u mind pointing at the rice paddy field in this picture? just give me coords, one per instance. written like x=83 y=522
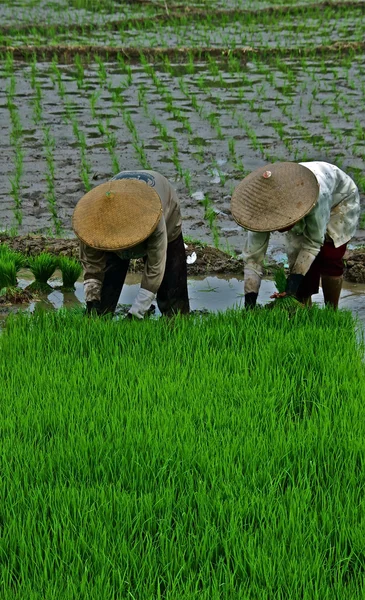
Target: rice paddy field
x=202 y=95
x=215 y=457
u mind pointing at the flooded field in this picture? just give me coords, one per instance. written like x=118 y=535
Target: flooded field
x=207 y=294
x=202 y=97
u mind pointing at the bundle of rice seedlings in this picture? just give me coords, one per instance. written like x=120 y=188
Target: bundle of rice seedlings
x=18 y=258
x=7 y=273
x=42 y=266
x=10 y=293
x=71 y=270
x=286 y=302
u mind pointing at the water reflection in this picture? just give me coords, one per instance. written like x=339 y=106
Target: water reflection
x=215 y=293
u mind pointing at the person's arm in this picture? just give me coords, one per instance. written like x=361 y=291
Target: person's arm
x=154 y=270
x=254 y=252
x=313 y=235
x=93 y=262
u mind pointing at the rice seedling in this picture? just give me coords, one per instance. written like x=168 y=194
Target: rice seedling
x=17 y=258
x=287 y=303
x=15 y=140
x=71 y=270
x=7 y=272
x=42 y=266
x=10 y=263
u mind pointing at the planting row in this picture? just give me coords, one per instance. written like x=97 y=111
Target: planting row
x=229 y=469
x=85 y=11
x=66 y=128
x=316 y=27
x=42 y=267
x=69 y=11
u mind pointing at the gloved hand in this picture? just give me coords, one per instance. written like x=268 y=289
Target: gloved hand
x=93 y=307
x=141 y=304
x=250 y=300
x=292 y=283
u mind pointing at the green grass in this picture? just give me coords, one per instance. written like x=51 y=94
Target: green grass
x=199 y=458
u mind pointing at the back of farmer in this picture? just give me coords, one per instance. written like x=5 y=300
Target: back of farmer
x=318 y=207
x=134 y=215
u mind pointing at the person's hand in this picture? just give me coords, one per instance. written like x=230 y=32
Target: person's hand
x=277 y=295
x=250 y=300
x=142 y=303
x=292 y=283
x=93 y=307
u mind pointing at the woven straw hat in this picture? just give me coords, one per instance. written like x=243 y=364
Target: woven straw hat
x=274 y=197
x=117 y=214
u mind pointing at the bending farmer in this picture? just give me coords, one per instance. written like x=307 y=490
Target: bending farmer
x=136 y=214
x=318 y=205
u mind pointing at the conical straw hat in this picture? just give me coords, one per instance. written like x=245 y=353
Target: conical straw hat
x=117 y=214
x=274 y=197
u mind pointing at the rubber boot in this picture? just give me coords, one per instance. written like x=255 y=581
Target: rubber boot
x=331 y=287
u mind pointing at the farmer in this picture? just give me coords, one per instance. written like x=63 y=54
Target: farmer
x=318 y=207
x=136 y=214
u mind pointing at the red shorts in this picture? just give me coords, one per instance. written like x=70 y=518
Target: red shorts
x=329 y=261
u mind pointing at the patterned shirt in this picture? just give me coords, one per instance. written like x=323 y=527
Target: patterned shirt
x=335 y=214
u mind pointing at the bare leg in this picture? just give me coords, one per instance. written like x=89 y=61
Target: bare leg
x=331 y=289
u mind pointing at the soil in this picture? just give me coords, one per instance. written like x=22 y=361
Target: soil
x=209 y=260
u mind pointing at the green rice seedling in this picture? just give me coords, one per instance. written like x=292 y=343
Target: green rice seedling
x=94 y=98
x=16 y=257
x=80 y=72
x=42 y=266
x=7 y=272
x=71 y=270
x=288 y=303
x=10 y=293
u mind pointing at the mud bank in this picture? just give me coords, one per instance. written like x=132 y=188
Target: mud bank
x=208 y=261
x=67 y=53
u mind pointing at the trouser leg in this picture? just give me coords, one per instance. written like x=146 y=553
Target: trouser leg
x=332 y=287
x=328 y=267
x=115 y=274
x=332 y=272
x=310 y=284
x=172 y=296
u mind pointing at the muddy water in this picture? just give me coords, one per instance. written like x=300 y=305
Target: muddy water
x=255 y=109
x=211 y=294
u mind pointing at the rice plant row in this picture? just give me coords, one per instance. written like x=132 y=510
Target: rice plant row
x=84 y=122
x=42 y=267
x=291 y=27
